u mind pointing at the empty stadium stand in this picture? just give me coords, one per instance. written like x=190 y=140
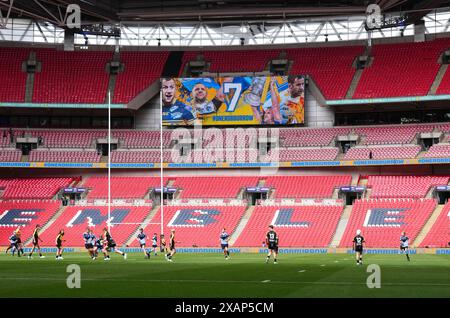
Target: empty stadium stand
x=13 y=79
x=234 y=61
x=85 y=81
x=444 y=87
x=121 y=187
x=25 y=214
x=310 y=137
x=64 y=156
x=386 y=152
x=382 y=220
x=10 y=155
x=330 y=67
x=439 y=234
x=437 y=151
x=33 y=188
x=306 y=154
x=141 y=69
x=306 y=186
x=75 y=220
x=197 y=226
x=403 y=186
x=395 y=68
x=386 y=135
x=216 y=187
x=306 y=226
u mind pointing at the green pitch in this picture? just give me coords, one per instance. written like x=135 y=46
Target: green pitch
x=210 y=275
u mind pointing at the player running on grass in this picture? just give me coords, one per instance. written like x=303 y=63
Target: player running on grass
x=98 y=246
x=404 y=245
x=12 y=244
x=154 y=244
x=358 y=242
x=36 y=240
x=272 y=244
x=19 y=242
x=172 y=242
x=224 y=238
x=109 y=244
x=89 y=240
x=141 y=237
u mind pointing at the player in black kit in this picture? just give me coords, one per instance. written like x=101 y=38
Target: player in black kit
x=36 y=240
x=358 y=242
x=272 y=244
x=171 y=251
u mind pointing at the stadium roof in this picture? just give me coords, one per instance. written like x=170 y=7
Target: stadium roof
x=113 y=11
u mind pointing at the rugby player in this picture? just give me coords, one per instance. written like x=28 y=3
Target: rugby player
x=36 y=240
x=404 y=245
x=59 y=240
x=224 y=238
x=358 y=242
x=12 y=244
x=89 y=239
x=141 y=237
x=155 y=243
x=272 y=244
x=172 y=250
x=109 y=244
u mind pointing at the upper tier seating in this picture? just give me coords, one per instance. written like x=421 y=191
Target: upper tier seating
x=439 y=234
x=33 y=188
x=395 y=68
x=141 y=69
x=403 y=186
x=121 y=187
x=25 y=214
x=396 y=152
x=74 y=221
x=330 y=67
x=383 y=220
x=196 y=226
x=444 y=87
x=306 y=226
x=71 y=77
x=13 y=79
x=306 y=186
x=235 y=61
x=213 y=187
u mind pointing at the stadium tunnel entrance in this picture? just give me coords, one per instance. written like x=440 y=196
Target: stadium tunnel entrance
x=351 y=193
x=441 y=194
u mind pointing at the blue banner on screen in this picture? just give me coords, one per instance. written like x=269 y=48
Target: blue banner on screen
x=267 y=100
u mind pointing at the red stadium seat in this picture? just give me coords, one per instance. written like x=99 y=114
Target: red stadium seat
x=318 y=230
x=408 y=215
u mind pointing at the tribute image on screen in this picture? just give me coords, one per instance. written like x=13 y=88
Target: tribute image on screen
x=267 y=100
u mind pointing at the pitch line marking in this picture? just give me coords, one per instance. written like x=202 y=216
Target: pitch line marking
x=221 y=281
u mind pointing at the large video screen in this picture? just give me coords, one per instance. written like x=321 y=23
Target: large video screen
x=267 y=100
